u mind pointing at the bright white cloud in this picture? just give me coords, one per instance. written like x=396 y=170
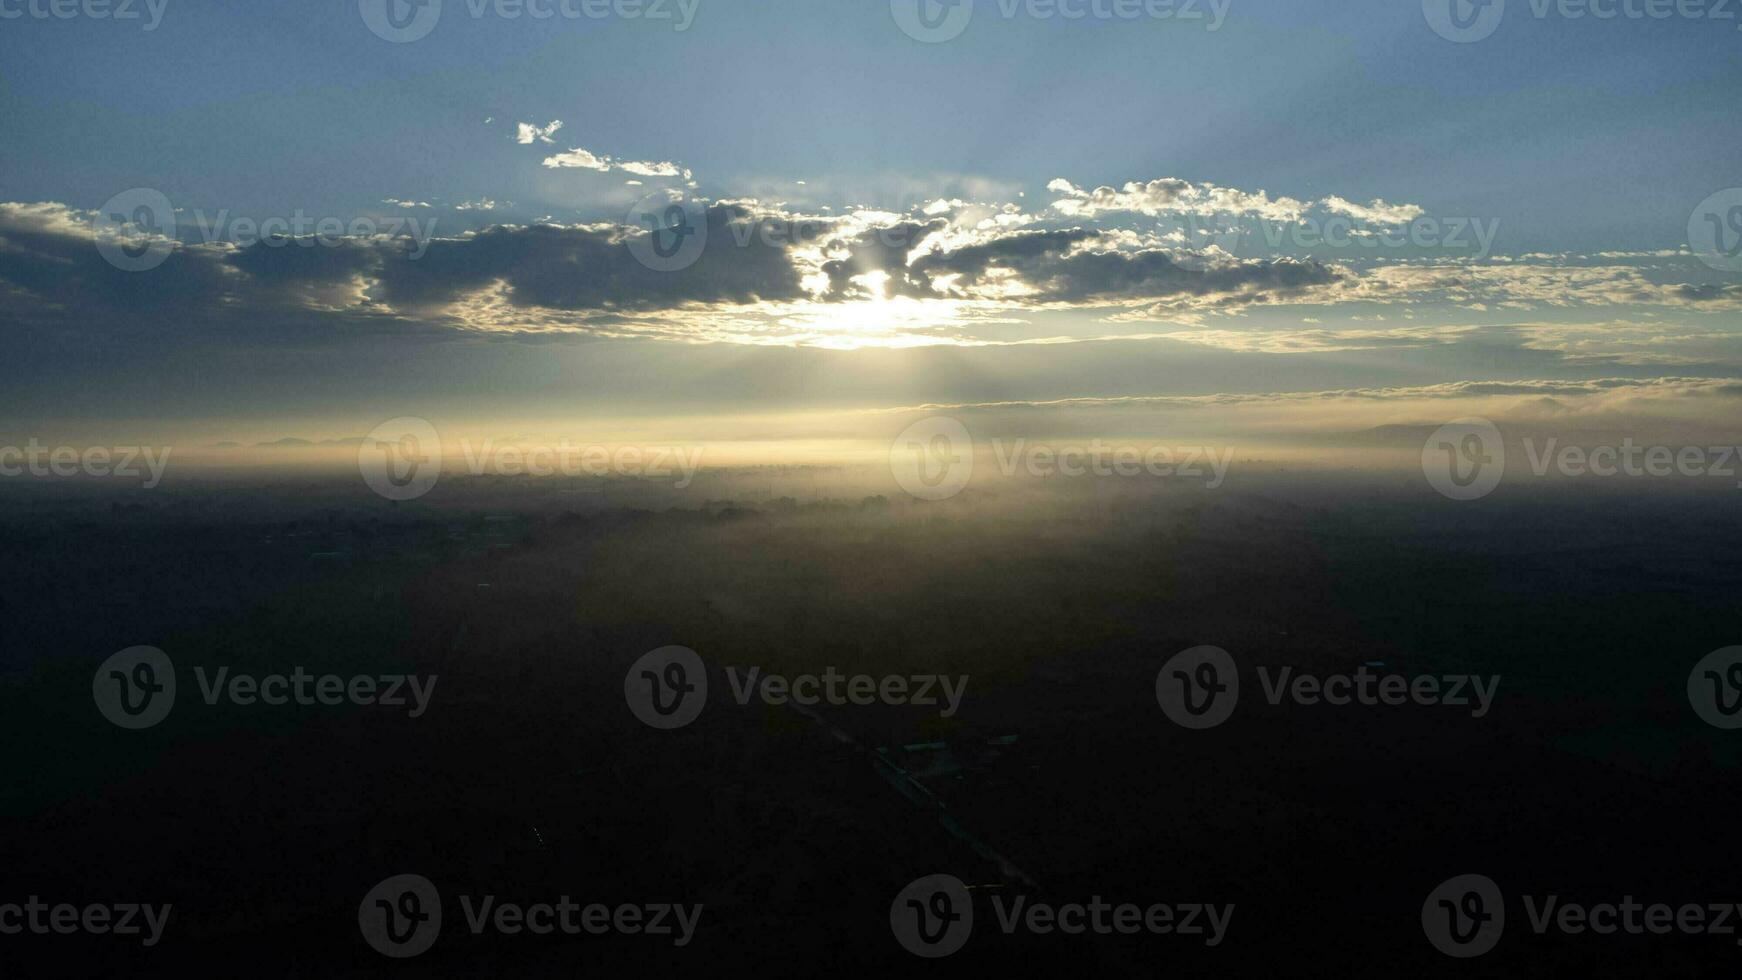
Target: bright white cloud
x=1171 y=195
x=1378 y=212
x=529 y=133
x=580 y=159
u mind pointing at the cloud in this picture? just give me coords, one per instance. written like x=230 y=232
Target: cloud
x=1321 y=340
x=948 y=271
x=584 y=160
x=1519 y=286
x=1027 y=303
x=765 y=276
x=528 y=133
x=62 y=292
x=1378 y=212
x=1536 y=388
x=892 y=190
x=1174 y=196
x=588 y=268
x=1171 y=195
x=1074 y=266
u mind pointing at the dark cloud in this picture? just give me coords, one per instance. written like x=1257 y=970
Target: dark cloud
x=1058 y=269
x=1710 y=292
x=883 y=250
x=594 y=269
x=53 y=270
x=63 y=295
x=509 y=280
x=54 y=276
x=59 y=270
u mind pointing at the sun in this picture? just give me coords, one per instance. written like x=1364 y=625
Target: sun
x=887 y=321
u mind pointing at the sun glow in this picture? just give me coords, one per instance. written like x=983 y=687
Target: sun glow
x=899 y=321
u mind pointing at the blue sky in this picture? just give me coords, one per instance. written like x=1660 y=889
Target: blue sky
x=1553 y=123
x=1586 y=147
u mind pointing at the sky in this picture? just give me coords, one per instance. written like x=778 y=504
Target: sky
x=795 y=218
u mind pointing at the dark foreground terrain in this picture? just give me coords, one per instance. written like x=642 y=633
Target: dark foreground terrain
x=1060 y=778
